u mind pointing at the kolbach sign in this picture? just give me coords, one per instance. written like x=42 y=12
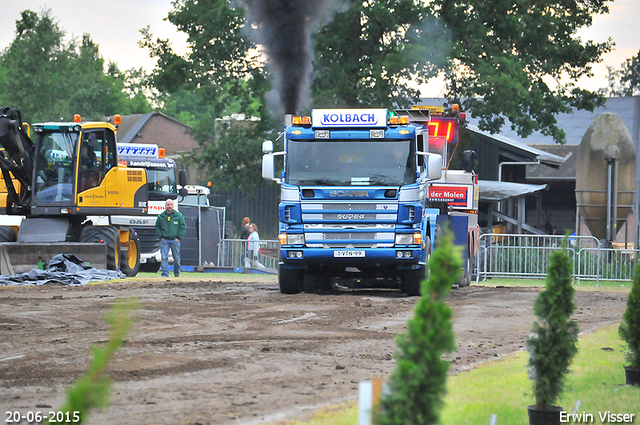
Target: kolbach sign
x=456 y=196
x=329 y=118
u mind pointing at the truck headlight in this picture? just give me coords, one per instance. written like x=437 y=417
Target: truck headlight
x=291 y=238
x=408 y=238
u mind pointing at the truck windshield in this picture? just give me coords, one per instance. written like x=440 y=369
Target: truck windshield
x=162 y=183
x=195 y=199
x=351 y=162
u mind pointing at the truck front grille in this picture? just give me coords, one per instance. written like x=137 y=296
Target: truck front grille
x=349 y=236
x=349 y=207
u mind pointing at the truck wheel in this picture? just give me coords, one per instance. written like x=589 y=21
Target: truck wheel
x=290 y=280
x=465 y=279
x=7 y=234
x=150 y=267
x=130 y=260
x=411 y=282
x=107 y=235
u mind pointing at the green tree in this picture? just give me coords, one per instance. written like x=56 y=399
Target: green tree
x=629 y=329
x=626 y=80
x=497 y=57
x=48 y=78
x=554 y=339
x=375 y=53
x=505 y=53
x=220 y=77
x=418 y=384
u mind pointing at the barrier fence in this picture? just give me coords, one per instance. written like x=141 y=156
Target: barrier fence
x=234 y=253
x=500 y=255
x=527 y=256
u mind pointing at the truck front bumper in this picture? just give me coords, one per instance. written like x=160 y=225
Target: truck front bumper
x=352 y=257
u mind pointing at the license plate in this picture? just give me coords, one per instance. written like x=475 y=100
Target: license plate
x=348 y=254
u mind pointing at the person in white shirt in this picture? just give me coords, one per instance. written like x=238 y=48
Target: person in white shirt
x=253 y=246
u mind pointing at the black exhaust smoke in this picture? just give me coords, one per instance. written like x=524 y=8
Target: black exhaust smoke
x=284 y=28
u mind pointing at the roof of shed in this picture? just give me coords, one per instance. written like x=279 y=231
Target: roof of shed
x=566 y=171
x=495 y=191
x=545 y=157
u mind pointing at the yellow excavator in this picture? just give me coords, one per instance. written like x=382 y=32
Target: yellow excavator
x=68 y=172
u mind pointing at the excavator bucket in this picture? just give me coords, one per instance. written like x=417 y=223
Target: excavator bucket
x=16 y=157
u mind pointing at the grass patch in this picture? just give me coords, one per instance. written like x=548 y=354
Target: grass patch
x=195 y=276
x=502 y=387
x=583 y=285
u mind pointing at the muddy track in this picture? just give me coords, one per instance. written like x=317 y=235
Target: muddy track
x=229 y=352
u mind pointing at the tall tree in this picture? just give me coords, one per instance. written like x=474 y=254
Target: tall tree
x=220 y=76
x=506 y=60
x=626 y=80
x=376 y=53
x=520 y=60
x=48 y=78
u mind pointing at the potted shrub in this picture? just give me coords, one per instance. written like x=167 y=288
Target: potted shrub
x=553 y=340
x=629 y=330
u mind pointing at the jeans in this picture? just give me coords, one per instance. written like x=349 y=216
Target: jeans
x=174 y=246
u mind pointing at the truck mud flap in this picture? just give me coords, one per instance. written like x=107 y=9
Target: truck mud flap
x=19 y=257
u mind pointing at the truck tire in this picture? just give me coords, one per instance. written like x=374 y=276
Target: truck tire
x=465 y=279
x=411 y=281
x=290 y=281
x=7 y=234
x=107 y=235
x=130 y=260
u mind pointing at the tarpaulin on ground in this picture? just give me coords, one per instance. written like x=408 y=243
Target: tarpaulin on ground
x=65 y=269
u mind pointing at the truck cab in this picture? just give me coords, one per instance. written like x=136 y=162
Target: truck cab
x=353 y=199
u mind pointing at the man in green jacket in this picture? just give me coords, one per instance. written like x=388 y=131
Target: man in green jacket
x=170 y=228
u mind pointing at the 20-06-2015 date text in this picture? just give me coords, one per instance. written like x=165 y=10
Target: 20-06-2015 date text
x=16 y=417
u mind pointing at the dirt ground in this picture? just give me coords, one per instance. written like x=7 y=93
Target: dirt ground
x=236 y=351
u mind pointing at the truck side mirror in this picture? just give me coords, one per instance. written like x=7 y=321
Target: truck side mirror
x=182 y=177
x=468 y=160
x=183 y=192
x=268 y=166
x=267 y=146
x=434 y=166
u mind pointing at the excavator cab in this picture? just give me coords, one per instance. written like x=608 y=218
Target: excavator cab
x=65 y=177
x=76 y=166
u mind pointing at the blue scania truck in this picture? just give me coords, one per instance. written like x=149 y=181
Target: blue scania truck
x=355 y=198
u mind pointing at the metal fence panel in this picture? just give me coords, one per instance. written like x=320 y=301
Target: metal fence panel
x=606 y=263
x=524 y=256
x=233 y=253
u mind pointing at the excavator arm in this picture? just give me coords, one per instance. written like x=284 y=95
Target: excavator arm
x=16 y=161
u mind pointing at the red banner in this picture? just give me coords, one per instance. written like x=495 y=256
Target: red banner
x=455 y=195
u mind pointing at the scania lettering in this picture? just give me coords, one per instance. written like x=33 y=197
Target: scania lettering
x=354 y=194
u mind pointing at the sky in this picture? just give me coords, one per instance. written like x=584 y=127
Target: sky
x=114 y=25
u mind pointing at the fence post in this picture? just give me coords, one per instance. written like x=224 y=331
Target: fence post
x=369 y=400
